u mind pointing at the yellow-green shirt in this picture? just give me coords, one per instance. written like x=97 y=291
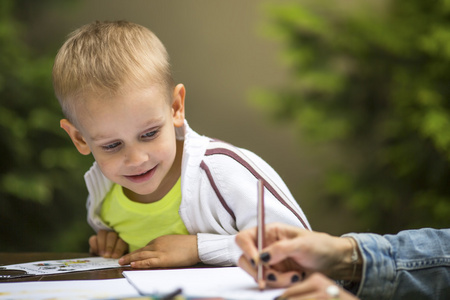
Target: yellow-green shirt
x=139 y=223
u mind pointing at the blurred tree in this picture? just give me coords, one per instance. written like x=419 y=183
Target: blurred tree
x=372 y=77
x=41 y=184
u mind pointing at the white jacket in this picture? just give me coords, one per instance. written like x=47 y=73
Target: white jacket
x=219 y=195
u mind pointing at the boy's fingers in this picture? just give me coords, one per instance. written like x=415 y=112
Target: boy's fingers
x=120 y=249
x=127 y=259
x=93 y=249
x=135 y=258
x=149 y=263
x=101 y=242
x=111 y=240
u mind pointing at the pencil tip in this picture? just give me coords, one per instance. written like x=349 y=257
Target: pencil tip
x=261 y=285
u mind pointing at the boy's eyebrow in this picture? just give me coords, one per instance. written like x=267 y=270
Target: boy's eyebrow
x=99 y=137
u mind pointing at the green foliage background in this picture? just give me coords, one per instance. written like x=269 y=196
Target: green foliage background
x=41 y=188
x=372 y=78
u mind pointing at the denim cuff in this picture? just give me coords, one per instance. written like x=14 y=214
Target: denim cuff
x=378 y=270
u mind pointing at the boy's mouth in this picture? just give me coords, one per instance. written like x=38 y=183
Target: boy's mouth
x=142 y=176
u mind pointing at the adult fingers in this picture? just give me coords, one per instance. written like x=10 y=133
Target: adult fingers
x=276 y=279
x=246 y=240
x=303 y=290
x=247 y=266
x=272 y=277
x=280 y=251
x=315 y=287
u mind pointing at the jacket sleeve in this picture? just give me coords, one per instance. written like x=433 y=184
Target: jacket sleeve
x=413 y=264
x=98 y=186
x=229 y=202
x=93 y=217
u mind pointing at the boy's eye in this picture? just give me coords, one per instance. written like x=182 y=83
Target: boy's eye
x=111 y=146
x=150 y=134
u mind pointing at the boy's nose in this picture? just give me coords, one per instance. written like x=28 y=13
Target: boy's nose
x=136 y=156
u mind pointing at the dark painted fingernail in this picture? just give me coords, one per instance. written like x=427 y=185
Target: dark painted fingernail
x=265 y=257
x=295 y=278
x=271 y=277
x=252 y=261
x=280 y=298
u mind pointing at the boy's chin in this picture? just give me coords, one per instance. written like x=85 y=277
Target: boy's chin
x=144 y=195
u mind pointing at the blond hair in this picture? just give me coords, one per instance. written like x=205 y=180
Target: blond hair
x=101 y=58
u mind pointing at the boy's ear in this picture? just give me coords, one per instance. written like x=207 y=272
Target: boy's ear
x=178 y=105
x=76 y=137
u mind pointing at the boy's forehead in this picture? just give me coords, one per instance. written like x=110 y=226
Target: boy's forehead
x=102 y=118
x=126 y=93
x=91 y=104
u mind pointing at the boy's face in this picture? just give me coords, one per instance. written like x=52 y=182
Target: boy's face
x=132 y=138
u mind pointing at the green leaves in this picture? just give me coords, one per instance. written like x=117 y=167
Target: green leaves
x=373 y=77
x=41 y=173
x=23 y=186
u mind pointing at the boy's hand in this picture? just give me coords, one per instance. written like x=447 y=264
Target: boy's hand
x=107 y=244
x=165 y=252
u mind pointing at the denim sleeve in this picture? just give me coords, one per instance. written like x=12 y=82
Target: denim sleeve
x=413 y=264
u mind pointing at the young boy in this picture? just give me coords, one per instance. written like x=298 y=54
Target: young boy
x=157 y=189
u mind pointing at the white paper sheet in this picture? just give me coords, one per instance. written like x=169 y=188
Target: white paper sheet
x=64 y=265
x=227 y=283
x=68 y=290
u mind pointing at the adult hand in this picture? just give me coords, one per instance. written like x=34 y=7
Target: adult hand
x=165 y=252
x=292 y=253
x=107 y=244
x=317 y=286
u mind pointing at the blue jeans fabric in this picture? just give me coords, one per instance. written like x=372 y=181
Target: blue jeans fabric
x=413 y=265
